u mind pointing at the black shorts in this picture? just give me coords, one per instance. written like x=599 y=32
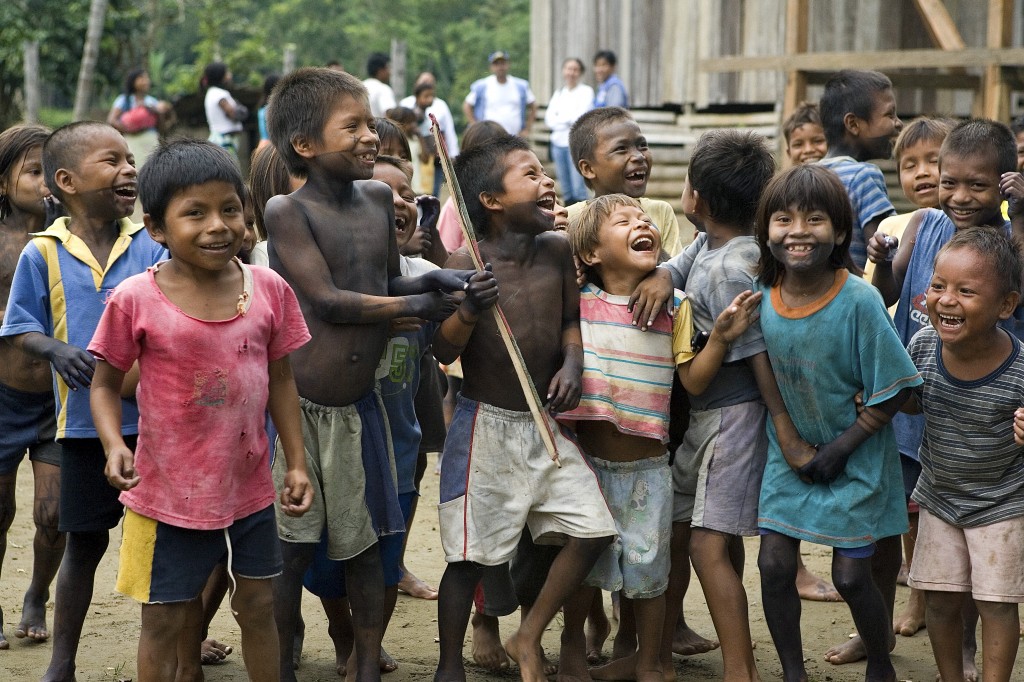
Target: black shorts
x=28 y=422
x=88 y=502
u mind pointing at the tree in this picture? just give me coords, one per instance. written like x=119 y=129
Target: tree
x=90 y=53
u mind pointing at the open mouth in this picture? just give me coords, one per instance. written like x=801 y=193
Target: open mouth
x=547 y=202
x=219 y=246
x=799 y=248
x=637 y=176
x=642 y=244
x=926 y=187
x=400 y=223
x=127 y=191
x=950 y=322
x=367 y=157
x=961 y=213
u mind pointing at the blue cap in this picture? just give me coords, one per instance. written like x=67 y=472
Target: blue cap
x=495 y=56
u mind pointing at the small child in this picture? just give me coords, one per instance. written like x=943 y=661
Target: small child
x=613 y=157
x=622 y=420
x=1017 y=127
x=57 y=297
x=971 y=490
x=489 y=498
x=204 y=490
x=858 y=114
x=805 y=138
x=27 y=421
x=853 y=499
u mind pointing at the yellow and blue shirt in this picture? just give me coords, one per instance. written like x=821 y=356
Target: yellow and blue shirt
x=60 y=290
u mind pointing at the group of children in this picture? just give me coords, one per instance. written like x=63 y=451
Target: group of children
x=169 y=353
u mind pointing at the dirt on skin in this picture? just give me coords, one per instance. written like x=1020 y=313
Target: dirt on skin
x=111 y=633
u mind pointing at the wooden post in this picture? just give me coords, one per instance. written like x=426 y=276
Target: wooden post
x=797 y=19
x=289 y=58
x=939 y=24
x=398 y=52
x=31 y=51
x=995 y=91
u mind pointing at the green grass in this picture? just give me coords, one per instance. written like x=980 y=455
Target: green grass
x=54 y=118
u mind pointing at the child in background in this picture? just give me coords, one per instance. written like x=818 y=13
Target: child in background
x=805 y=138
x=853 y=499
x=1017 y=128
x=261 y=112
x=27 y=421
x=200 y=490
x=268 y=177
x=613 y=157
x=88 y=166
x=420 y=157
x=622 y=421
x=971 y=490
x=858 y=113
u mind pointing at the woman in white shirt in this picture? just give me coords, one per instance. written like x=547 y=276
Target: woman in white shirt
x=224 y=115
x=567 y=104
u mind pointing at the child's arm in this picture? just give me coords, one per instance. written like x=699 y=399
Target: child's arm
x=889 y=274
x=795 y=450
x=74 y=365
x=481 y=293
x=831 y=458
x=105 y=402
x=283 y=403
x=435 y=252
x=567 y=384
x=655 y=291
x=1018 y=426
x=1012 y=187
x=697 y=374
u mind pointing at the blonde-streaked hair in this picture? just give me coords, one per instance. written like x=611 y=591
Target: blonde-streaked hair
x=584 y=230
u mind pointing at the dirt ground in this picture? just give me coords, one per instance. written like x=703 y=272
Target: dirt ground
x=112 y=628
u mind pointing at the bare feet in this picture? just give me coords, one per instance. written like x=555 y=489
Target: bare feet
x=211 y=651
x=689 y=643
x=911 y=620
x=598 y=629
x=814 y=588
x=852 y=651
x=387 y=663
x=414 y=587
x=619 y=669
x=529 y=657
x=486 y=648
x=904 y=575
x=33 y=619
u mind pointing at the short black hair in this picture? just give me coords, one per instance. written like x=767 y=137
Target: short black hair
x=849 y=91
x=729 y=169
x=809 y=186
x=805 y=113
x=584 y=132
x=213 y=75
x=606 y=55
x=395 y=162
x=65 y=147
x=376 y=62
x=922 y=129
x=14 y=142
x=1002 y=251
x=423 y=87
x=390 y=135
x=300 y=105
x=482 y=169
x=180 y=164
x=982 y=137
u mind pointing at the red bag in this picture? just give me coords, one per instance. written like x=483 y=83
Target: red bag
x=138 y=119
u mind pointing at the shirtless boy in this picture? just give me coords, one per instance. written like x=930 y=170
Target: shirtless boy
x=487 y=502
x=341 y=258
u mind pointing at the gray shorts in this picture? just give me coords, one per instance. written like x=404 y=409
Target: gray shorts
x=716 y=477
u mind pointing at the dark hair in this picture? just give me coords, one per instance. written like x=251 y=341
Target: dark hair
x=584 y=132
x=401 y=115
x=376 y=62
x=606 y=55
x=391 y=135
x=729 y=170
x=981 y=136
x=300 y=105
x=579 y=62
x=65 y=147
x=805 y=113
x=849 y=92
x=129 y=83
x=482 y=169
x=401 y=164
x=14 y=142
x=268 y=177
x=423 y=87
x=482 y=131
x=993 y=243
x=268 y=87
x=181 y=164
x=213 y=75
x=807 y=187
x=923 y=129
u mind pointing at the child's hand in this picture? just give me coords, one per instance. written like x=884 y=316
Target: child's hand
x=737 y=318
x=827 y=464
x=481 y=291
x=650 y=296
x=74 y=365
x=880 y=246
x=564 y=390
x=449 y=281
x=120 y=468
x=297 y=494
x=419 y=243
x=1018 y=426
x=439 y=306
x=1012 y=187
x=400 y=325
x=581 y=271
x=431 y=208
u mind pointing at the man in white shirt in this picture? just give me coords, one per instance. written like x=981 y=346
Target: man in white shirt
x=426 y=104
x=502 y=98
x=382 y=97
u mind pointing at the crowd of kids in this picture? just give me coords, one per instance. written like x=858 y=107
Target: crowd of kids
x=181 y=377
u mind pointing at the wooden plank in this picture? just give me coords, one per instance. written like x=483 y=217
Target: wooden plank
x=931 y=81
x=797 y=21
x=882 y=60
x=996 y=93
x=939 y=24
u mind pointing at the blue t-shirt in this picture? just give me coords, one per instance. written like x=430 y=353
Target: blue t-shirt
x=824 y=354
x=865 y=184
x=60 y=290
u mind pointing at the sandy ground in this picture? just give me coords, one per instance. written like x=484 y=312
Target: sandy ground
x=112 y=628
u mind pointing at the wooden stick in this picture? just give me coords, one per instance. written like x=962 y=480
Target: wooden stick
x=529 y=390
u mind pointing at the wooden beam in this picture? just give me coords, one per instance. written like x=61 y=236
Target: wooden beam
x=882 y=60
x=797 y=21
x=995 y=92
x=930 y=81
x=939 y=24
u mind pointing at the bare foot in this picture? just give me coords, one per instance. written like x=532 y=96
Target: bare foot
x=814 y=588
x=904 y=575
x=33 y=619
x=852 y=651
x=211 y=651
x=689 y=643
x=911 y=620
x=598 y=629
x=529 y=657
x=486 y=648
x=619 y=669
x=387 y=663
x=414 y=587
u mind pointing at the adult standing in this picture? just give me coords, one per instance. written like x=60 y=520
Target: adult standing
x=138 y=115
x=425 y=102
x=382 y=97
x=224 y=115
x=611 y=91
x=568 y=103
x=502 y=98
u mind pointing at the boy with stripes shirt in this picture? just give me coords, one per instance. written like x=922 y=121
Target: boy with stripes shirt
x=971 y=489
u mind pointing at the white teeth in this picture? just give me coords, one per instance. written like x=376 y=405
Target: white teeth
x=642 y=244
x=799 y=248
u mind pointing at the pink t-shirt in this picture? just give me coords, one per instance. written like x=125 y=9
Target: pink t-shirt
x=202 y=455
x=449 y=228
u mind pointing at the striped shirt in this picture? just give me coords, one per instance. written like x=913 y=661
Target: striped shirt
x=627 y=373
x=865 y=184
x=972 y=472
